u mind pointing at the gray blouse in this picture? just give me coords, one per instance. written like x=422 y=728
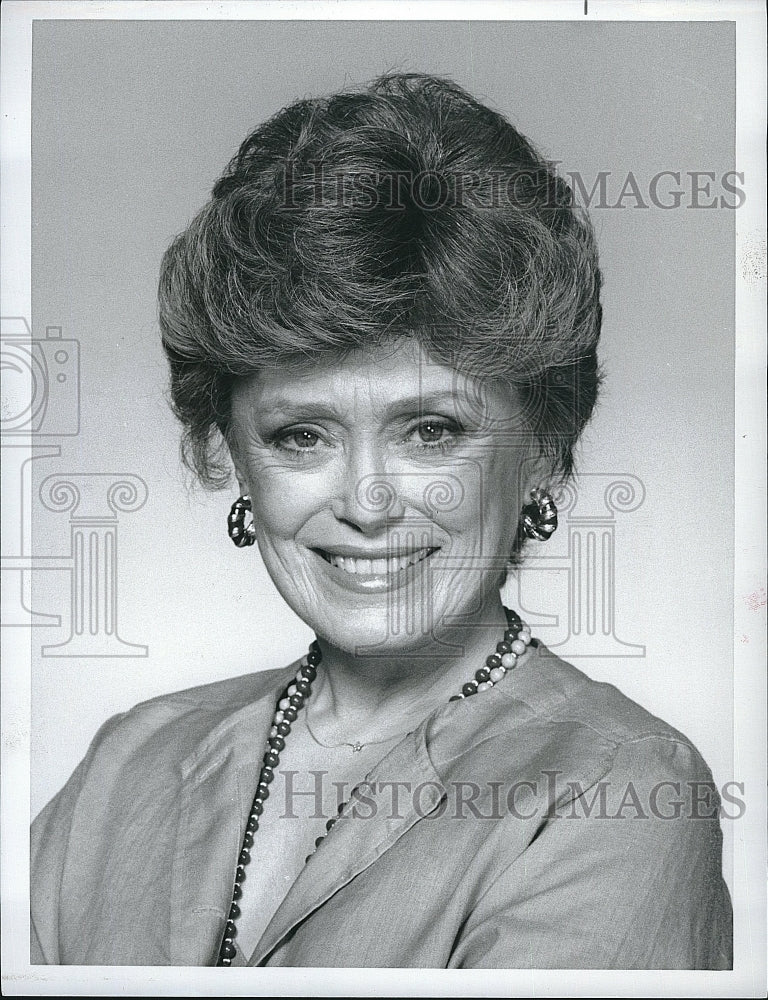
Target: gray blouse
x=548 y=823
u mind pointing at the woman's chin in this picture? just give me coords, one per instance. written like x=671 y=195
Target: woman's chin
x=376 y=637
x=386 y=623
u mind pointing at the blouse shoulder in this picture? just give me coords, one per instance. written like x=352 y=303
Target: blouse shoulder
x=552 y=714
x=643 y=744
x=616 y=720
x=609 y=844
x=157 y=735
x=181 y=720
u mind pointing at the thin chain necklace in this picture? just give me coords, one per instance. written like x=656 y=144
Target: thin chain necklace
x=517 y=637
x=355 y=747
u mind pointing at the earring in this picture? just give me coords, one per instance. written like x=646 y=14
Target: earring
x=540 y=516
x=242 y=534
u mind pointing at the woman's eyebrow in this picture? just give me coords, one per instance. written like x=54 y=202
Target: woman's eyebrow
x=424 y=402
x=287 y=407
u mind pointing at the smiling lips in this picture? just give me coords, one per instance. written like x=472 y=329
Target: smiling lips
x=382 y=566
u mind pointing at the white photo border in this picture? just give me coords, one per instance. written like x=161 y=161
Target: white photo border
x=748 y=977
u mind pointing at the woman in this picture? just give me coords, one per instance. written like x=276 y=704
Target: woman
x=386 y=319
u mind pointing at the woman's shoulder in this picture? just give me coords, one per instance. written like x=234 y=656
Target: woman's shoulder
x=554 y=712
x=608 y=842
x=169 y=727
x=227 y=694
x=633 y=736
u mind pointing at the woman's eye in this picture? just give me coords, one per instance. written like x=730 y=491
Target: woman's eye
x=298 y=440
x=433 y=432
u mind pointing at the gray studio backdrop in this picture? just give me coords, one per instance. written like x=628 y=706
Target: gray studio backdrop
x=137 y=589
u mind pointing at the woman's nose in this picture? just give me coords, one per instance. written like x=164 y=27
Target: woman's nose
x=367 y=496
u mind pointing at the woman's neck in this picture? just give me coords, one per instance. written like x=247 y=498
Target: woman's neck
x=370 y=696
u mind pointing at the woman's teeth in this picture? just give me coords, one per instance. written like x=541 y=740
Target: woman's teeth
x=377 y=567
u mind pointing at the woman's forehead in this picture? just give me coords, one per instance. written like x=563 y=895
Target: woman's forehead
x=382 y=374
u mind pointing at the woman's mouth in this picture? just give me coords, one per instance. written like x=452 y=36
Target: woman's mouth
x=377 y=566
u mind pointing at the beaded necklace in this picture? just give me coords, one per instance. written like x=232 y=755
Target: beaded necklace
x=517 y=637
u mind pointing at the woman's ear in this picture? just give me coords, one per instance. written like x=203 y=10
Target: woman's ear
x=537 y=474
x=243 y=486
x=238 y=466
x=242 y=482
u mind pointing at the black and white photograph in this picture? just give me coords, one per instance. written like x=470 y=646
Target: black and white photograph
x=383 y=453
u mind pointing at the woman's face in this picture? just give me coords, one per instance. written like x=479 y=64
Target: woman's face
x=386 y=491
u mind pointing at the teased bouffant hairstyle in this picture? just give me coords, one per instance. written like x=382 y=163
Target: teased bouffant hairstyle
x=405 y=209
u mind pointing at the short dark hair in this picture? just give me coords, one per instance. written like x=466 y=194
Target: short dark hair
x=407 y=209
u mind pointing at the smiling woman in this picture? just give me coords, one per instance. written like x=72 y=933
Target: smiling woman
x=342 y=460
x=386 y=319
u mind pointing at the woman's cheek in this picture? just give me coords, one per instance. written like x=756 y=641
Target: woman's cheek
x=474 y=522
x=283 y=500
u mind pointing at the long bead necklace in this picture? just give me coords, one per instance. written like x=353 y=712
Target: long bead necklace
x=517 y=637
